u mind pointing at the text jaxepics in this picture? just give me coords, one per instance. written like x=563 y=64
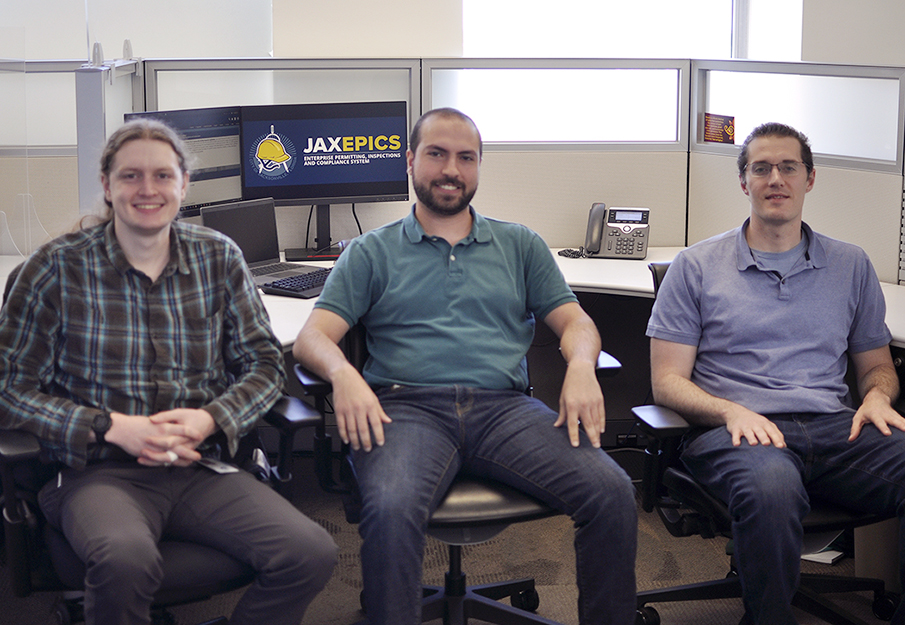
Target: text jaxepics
x=353 y=144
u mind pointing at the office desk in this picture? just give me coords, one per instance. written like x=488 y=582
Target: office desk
x=611 y=276
x=584 y=275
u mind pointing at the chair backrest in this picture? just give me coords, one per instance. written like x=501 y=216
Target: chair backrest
x=10 y=281
x=658 y=271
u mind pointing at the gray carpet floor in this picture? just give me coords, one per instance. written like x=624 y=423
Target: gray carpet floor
x=540 y=549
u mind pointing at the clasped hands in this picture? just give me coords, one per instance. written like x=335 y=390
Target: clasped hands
x=166 y=438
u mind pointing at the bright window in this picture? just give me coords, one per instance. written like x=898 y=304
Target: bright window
x=696 y=29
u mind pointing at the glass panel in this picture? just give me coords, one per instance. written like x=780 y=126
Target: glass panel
x=842 y=116
x=564 y=105
x=195 y=89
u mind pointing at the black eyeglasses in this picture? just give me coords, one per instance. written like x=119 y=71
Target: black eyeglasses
x=787 y=169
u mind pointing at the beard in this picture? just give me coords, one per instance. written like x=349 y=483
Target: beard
x=437 y=206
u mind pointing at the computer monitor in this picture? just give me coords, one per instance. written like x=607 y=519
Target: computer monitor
x=323 y=154
x=211 y=136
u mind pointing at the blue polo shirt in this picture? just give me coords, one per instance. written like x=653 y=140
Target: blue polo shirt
x=438 y=315
x=771 y=343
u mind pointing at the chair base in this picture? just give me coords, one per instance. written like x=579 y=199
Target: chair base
x=808 y=597
x=482 y=603
x=455 y=602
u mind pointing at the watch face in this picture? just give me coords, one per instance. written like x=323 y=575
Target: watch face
x=102 y=422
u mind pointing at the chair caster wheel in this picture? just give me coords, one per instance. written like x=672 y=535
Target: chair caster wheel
x=61 y=615
x=67 y=612
x=646 y=615
x=527 y=600
x=884 y=606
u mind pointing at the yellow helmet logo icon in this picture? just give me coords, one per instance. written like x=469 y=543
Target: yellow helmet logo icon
x=272 y=150
x=271 y=154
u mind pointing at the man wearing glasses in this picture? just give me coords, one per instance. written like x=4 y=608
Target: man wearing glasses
x=750 y=338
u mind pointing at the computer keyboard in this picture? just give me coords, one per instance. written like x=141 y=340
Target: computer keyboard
x=306 y=285
x=274 y=268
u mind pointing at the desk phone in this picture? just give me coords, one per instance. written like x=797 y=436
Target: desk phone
x=617 y=232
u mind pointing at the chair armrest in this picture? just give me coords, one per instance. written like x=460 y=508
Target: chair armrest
x=17 y=445
x=660 y=422
x=607 y=365
x=664 y=428
x=311 y=383
x=290 y=414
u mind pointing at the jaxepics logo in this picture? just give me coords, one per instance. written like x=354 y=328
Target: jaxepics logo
x=273 y=155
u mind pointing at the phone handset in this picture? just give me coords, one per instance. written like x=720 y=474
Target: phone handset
x=595 y=228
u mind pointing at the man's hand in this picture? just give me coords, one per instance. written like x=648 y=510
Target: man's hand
x=581 y=403
x=756 y=429
x=876 y=409
x=153 y=440
x=358 y=411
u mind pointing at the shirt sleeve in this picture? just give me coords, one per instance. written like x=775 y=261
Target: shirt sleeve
x=676 y=314
x=252 y=355
x=29 y=342
x=869 y=330
x=546 y=287
x=349 y=288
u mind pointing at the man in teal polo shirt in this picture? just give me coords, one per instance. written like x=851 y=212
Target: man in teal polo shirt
x=449 y=300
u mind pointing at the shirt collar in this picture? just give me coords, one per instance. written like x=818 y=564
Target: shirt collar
x=117 y=256
x=815 y=254
x=480 y=229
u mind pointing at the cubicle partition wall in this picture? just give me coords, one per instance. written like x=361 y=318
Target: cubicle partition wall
x=560 y=134
x=853 y=116
x=38 y=166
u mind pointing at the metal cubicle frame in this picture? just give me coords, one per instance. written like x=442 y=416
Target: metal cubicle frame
x=700 y=83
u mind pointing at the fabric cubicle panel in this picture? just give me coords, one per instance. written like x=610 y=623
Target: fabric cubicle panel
x=861 y=207
x=551 y=192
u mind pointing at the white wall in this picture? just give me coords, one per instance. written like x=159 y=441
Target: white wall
x=67 y=29
x=365 y=28
x=866 y=32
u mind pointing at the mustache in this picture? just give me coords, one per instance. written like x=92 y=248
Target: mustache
x=452 y=181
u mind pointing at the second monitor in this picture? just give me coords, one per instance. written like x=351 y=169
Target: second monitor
x=322 y=154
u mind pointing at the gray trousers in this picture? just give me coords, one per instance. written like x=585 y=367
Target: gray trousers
x=114 y=514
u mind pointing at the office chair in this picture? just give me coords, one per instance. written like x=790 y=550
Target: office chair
x=38 y=557
x=472 y=511
x=687 y=508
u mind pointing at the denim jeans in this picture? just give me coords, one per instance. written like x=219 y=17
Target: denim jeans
x=768 y=491
x=507 y=436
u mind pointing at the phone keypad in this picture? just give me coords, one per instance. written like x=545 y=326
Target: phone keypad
x=631 y=244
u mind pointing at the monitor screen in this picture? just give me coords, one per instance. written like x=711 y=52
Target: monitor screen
x=211 y=136
x=324 y=153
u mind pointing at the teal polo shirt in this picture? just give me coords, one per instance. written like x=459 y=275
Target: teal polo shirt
x=441 y=315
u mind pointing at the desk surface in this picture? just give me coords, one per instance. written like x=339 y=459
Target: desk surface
x=597 y=275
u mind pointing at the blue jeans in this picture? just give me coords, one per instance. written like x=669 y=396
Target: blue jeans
x=507 y=436
x=768 y=491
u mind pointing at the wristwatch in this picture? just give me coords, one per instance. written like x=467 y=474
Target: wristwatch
x=101 y=425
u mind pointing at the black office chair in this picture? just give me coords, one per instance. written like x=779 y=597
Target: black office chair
x=473 y=511
x=39 y=559
x=687 y=508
